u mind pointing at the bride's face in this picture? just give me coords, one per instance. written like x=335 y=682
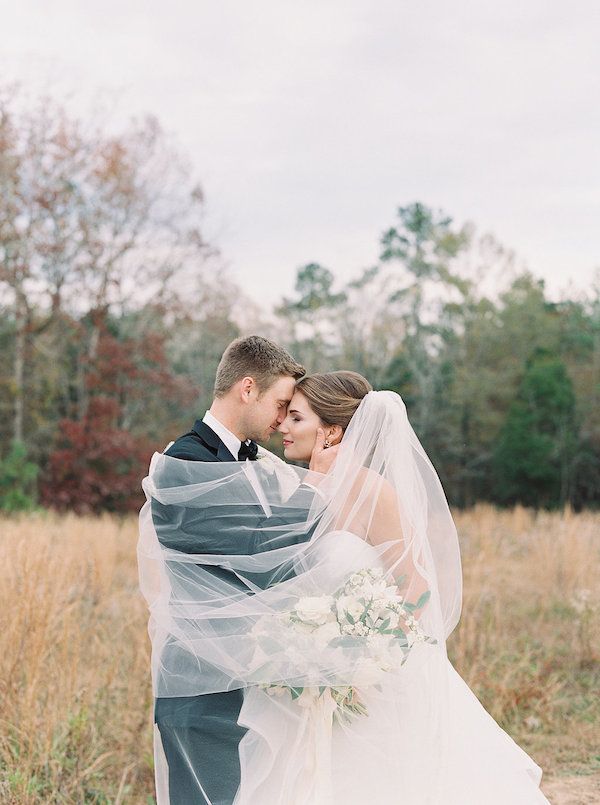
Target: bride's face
x=299 y=429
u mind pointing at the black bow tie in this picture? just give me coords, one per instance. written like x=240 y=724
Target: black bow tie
x=248 y=451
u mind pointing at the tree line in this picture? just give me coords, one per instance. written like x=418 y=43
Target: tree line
x=115 y=311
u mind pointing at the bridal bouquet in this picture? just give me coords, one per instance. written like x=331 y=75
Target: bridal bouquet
x=366 y=615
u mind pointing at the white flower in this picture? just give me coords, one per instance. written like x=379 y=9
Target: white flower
x=287 y=475
x=347 y=605
x=379 y=587
x=363 y=587
x=315 y=610
x=415 y=635
x=379 y=610
x=266 y=458
x=370 y=589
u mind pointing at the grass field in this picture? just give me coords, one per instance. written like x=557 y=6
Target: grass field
x=75 y=699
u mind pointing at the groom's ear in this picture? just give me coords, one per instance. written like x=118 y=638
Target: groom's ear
x=247 y=387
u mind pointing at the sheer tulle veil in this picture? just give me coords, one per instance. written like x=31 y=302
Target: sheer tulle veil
x=246 y=567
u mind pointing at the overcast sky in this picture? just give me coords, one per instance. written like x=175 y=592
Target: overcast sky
x=310 y=122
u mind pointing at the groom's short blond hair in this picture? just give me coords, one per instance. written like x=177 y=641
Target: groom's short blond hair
x=256 y=357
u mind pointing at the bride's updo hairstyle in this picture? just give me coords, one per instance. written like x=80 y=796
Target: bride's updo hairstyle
x=334 y=396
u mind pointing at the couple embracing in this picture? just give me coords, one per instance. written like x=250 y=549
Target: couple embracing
x=299 y=611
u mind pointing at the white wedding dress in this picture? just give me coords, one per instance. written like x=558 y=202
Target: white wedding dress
x=221 y=582
x=426 y=740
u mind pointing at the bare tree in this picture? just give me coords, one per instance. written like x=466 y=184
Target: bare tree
x=89 y=222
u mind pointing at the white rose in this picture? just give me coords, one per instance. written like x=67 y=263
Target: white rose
x=349 y=605
x=315 y=609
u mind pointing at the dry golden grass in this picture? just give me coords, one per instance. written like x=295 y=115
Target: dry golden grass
x=75 y=703
x=75 y=699
x=529 y=639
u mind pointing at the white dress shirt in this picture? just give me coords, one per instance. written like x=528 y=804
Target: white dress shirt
x=233 y=444
x=229 y=439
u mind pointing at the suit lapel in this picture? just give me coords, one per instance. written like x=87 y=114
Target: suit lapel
x=212 y=441
x=223 y=453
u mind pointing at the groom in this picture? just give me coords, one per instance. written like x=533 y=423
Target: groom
x=254 y=384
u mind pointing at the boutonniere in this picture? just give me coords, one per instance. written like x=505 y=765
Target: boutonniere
x=286 y=474
x=268 y=459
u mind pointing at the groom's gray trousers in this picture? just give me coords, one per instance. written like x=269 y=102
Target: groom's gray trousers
x=200 y=737
x=200 y=734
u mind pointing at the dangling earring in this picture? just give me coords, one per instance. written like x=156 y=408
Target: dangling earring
x=327 y=443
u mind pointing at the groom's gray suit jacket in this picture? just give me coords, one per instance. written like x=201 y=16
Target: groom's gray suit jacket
x=200 y=734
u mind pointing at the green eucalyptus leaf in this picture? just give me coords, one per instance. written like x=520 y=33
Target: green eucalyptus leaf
x=423 y=599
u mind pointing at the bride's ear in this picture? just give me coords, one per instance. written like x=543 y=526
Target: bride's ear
x=333 y=434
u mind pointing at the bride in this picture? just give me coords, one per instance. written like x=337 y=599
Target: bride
x=332 y=617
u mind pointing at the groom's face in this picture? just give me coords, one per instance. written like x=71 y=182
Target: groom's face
x=269 y=409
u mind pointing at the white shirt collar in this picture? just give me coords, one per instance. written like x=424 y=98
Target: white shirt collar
x=230 y=440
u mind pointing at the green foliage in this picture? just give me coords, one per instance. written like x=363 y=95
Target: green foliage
x=399 y=377
x=424 y=242
x=314 y=287
x=502 y=389
x=533 y=458
x=502 y=386
x=17 y=480
x=310 y=318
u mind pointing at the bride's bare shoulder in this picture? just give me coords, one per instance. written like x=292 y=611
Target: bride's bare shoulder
x=373 y=484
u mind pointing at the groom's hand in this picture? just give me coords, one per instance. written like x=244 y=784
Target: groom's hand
x=322 y=457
